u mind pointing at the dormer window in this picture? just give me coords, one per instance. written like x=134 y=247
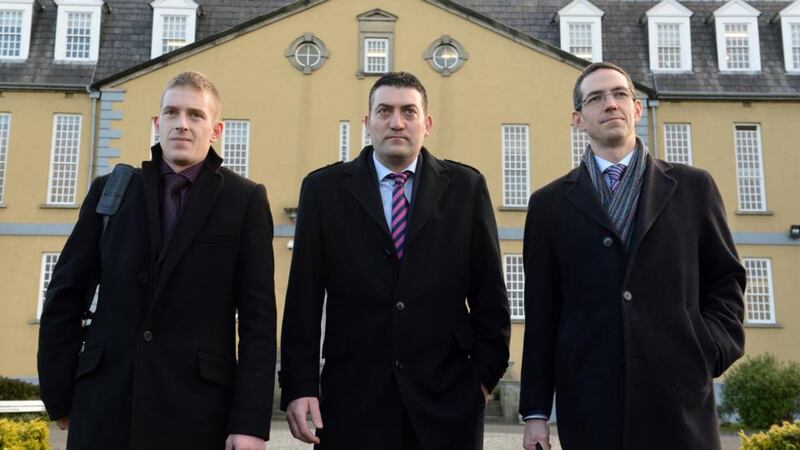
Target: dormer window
x=174 y=23
x=15 y=29
x=78 y=30
x=581 y=32
x=670 y=37
x=736 y=24
x=790 y=27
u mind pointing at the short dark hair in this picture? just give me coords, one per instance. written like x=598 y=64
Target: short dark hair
x=198 y=81
x=577 y=95
x=400 y=80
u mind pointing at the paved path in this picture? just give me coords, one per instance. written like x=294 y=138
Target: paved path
x=496 y=437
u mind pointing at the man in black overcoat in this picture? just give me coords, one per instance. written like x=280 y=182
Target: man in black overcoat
x=190 y=246
x=633 y=290
x=405 y=248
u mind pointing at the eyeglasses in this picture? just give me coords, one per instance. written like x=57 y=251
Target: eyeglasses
x=595 y=100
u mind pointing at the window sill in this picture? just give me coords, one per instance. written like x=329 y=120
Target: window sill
x=754 y=213
x=50 y=206
x=763 y=325
x=34 y=322
x=512 y=208
x=360 y=74
x=3 y=205
x=519 y=321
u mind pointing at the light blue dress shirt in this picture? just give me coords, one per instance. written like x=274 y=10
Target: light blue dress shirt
x=386 y=185
x=602 y=164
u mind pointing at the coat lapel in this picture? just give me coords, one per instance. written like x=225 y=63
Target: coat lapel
x=363 y=185
x=191 y=219
x=583 y=196
x=151 y=173
x=657 y=189
x=428 y=190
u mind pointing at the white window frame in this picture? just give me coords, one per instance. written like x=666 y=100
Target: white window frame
x=26 y=7
x=49 y=261
x=344 y=140
x=52 y=196
x=578 y=142
x=239 y=163
x=764 y=283
x=514 y=276
x=510 y=199
x=790 y=16
x=386 y=58
x=582 y=12
x=738 y=12
x=670 y=128
x=366 y=139
x=5 y=132
x=162 y=8
x=670 y=12
x=66 y=7
x=760 y=171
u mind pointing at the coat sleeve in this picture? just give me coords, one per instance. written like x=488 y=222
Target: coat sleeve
x=487 y=297
x=542 y=313
x=72 y=284
x=255 y=301
x=722 y=281
x=302 y=316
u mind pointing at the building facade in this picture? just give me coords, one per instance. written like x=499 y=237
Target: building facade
x=80 y=82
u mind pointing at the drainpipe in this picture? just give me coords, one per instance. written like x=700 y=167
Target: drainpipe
x=94 y=95
x=652 y=105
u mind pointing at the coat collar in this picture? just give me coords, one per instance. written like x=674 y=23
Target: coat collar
x=428 y=189
x=657 y=189
x=190 y=222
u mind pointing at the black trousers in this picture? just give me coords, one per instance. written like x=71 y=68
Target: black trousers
x=411 y=440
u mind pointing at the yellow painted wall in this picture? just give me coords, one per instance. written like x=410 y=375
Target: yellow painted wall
x=29 y=150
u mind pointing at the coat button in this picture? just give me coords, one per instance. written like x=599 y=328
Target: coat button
x=399 y=364
x=387 y=254
x=147 y=336
x=627 y=296
x=608 y=242
x=143 y=278
x=400 y=306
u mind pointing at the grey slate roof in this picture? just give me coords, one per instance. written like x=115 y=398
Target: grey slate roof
x=126 y=34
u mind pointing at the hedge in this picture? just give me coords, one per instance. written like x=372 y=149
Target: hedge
x=33 y=435
x=11 y=389
x=779 y=437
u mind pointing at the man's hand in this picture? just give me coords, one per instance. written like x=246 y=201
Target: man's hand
x=485 y=393
x=537 y=431
x=297 y=413
x=244 y=442
x=63 y=423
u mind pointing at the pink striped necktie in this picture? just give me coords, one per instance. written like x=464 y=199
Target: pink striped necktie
x=399 y=211
x=615 y=174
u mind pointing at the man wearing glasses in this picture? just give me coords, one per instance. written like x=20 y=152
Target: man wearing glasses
x=634 y=290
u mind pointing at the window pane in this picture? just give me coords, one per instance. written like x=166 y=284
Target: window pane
x=580 y=40
x=5 y=124
x=344 y=140
x=759 y=301
x=235 y=145
x=795 y=36
x=10 y=33
x=749 y=172
x=79 y=35
x=173 y=34
x=64 y=159
x=677 y=143
x=445 y=56
x=376 y=55
x=515 y=165
x=669 y=45
x=737 y=46
x=515 y=285
x=49 y=261
x=308 y=54
x=579 y=142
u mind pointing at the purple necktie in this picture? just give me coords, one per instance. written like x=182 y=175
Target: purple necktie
x=615 y=174
x=399 y=211
x=171 y=203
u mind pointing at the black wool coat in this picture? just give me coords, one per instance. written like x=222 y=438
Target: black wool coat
x=415 y=336
x=630 y=340
x=159 y=368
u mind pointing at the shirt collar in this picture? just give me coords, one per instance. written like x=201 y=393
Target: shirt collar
x=382 y=170
x=190 y=173
x=603 y=164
